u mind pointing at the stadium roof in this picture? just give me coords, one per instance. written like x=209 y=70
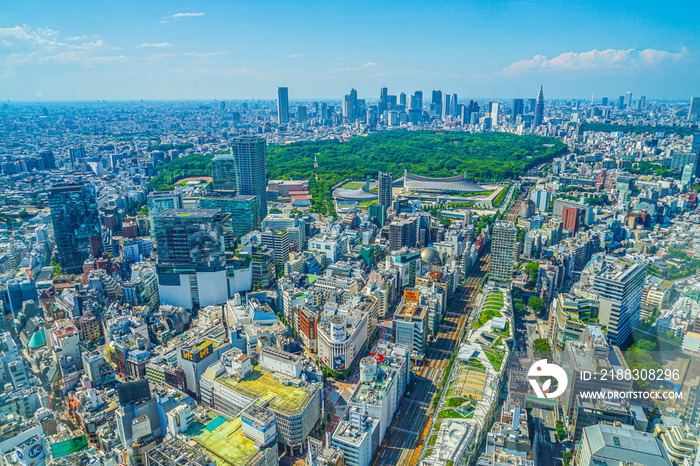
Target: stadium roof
x=361 y=194
x=455 y=184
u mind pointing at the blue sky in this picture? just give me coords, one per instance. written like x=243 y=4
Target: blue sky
x=320 y=49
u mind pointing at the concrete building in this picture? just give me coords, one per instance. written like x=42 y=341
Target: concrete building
x=385 y=183
x=411 y=323
x=344 y=330
x=357 y=436
x=503 y=252
x=619 y=285
x=588 y=365
x=329 y=244
x=384 y=376
x=296 y=405
x=619 y=444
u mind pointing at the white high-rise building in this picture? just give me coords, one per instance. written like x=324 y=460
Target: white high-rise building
x=503 y=252
x=541 y=198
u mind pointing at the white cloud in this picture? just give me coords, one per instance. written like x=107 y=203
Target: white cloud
x=179 y=16
x=369 y=64
x=27 y=44
x=596 y=60
x=295 y=55
x=206 y=54
x=158 y=45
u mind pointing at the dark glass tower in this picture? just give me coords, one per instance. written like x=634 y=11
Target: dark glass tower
x=282 y=105
x=76 y=224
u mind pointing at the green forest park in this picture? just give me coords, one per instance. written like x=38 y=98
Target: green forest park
x=485 y=157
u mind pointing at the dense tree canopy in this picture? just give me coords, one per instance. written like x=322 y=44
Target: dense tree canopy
x=485 y=157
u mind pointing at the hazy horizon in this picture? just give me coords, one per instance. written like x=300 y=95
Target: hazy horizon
x=235 y=50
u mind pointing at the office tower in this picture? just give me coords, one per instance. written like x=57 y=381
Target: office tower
x=372 y=115
x=191 y=257
x=694 y=110
x=604 y=102
x=503 y=252
x=324 y=111
x=244 y=210
x=402 y=99
x=77 y=154
x=445 y=106
x=621 y=102
x=687 y=174
x=382 y=106
x=417 y=101
x=531 y=104
x=518 y=107
x=76 y=224
x=465 y=115
x=402 y=233
x=436 y=103
x=251 y=176
x=642 y=102
x=282 y=105
x=385 y=181
x=159 y=201
x=573 y=218
x=223 y=170
x=278 y=242
x=454 y=106
x=350 y=106
x=539 y=109
x=295 y=226
x=541 y=198
x=301 y=113
x=628 y=99
x=493 y=113
x=47 y=159
x=619 y=285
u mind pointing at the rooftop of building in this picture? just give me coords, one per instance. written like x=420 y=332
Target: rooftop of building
x=620 y=442
x=617 y=270
x=268 y=387
x=225 y=441
x=347 y=433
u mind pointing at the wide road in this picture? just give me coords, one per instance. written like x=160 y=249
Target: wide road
x=547 y=451
x=406 y=434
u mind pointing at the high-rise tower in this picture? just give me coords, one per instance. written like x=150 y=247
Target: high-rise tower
x=282 y=105
x=385 y=181
x=251 y=176
x=539 y=108
x=76 y=224
x=503 y=252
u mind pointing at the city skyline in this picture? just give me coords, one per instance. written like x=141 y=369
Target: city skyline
x=180 y=51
